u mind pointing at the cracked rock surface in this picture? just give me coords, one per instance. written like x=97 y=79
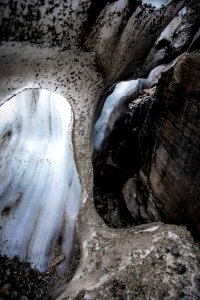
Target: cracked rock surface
x=169 y=161
x=154 y=261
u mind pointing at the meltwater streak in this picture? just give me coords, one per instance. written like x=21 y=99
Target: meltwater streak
x=113 y=106
x=111 y=110
x=39 y=185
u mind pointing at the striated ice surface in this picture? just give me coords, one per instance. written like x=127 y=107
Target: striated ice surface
x=157 y=3
x=112 y=110
x=39 y=185
x=114 y=104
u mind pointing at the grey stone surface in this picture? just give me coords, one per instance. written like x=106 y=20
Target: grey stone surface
x=154 y=261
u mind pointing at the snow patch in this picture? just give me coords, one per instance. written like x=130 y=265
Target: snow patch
x=152 y=229
x=157 y=3
x=172 y=235
x=169 y=31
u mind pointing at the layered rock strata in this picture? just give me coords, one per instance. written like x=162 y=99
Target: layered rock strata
x=169 y=145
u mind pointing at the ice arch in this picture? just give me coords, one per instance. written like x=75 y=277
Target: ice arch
x=39 y=185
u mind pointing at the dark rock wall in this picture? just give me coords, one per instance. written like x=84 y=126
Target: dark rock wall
x=170 y=163
x=156 y=142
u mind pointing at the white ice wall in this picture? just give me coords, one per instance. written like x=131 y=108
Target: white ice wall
x=112 y=110
x=39 y=185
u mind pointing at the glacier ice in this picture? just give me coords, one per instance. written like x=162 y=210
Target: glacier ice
x=39 y=185
x=112 y=109
x=116 y=102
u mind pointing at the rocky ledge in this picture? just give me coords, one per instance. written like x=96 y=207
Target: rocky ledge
x=154 y=261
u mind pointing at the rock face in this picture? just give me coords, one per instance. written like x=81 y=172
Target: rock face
x=154 y=261
x=82 y=50
x=162 y=136
x=169 y=162
x=166 y=187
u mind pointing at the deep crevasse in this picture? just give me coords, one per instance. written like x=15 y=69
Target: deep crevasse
x=113 y=107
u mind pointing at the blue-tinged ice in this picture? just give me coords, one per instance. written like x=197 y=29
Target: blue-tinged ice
x=39 y=185
x=115 y=104
x=112 y=109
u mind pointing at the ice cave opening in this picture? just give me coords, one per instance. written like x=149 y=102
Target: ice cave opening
x=40 y=190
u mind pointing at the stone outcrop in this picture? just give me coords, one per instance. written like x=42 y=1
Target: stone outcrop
x=176 y=38
x=169 y=145
x=157 y=141
x=154 y=261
